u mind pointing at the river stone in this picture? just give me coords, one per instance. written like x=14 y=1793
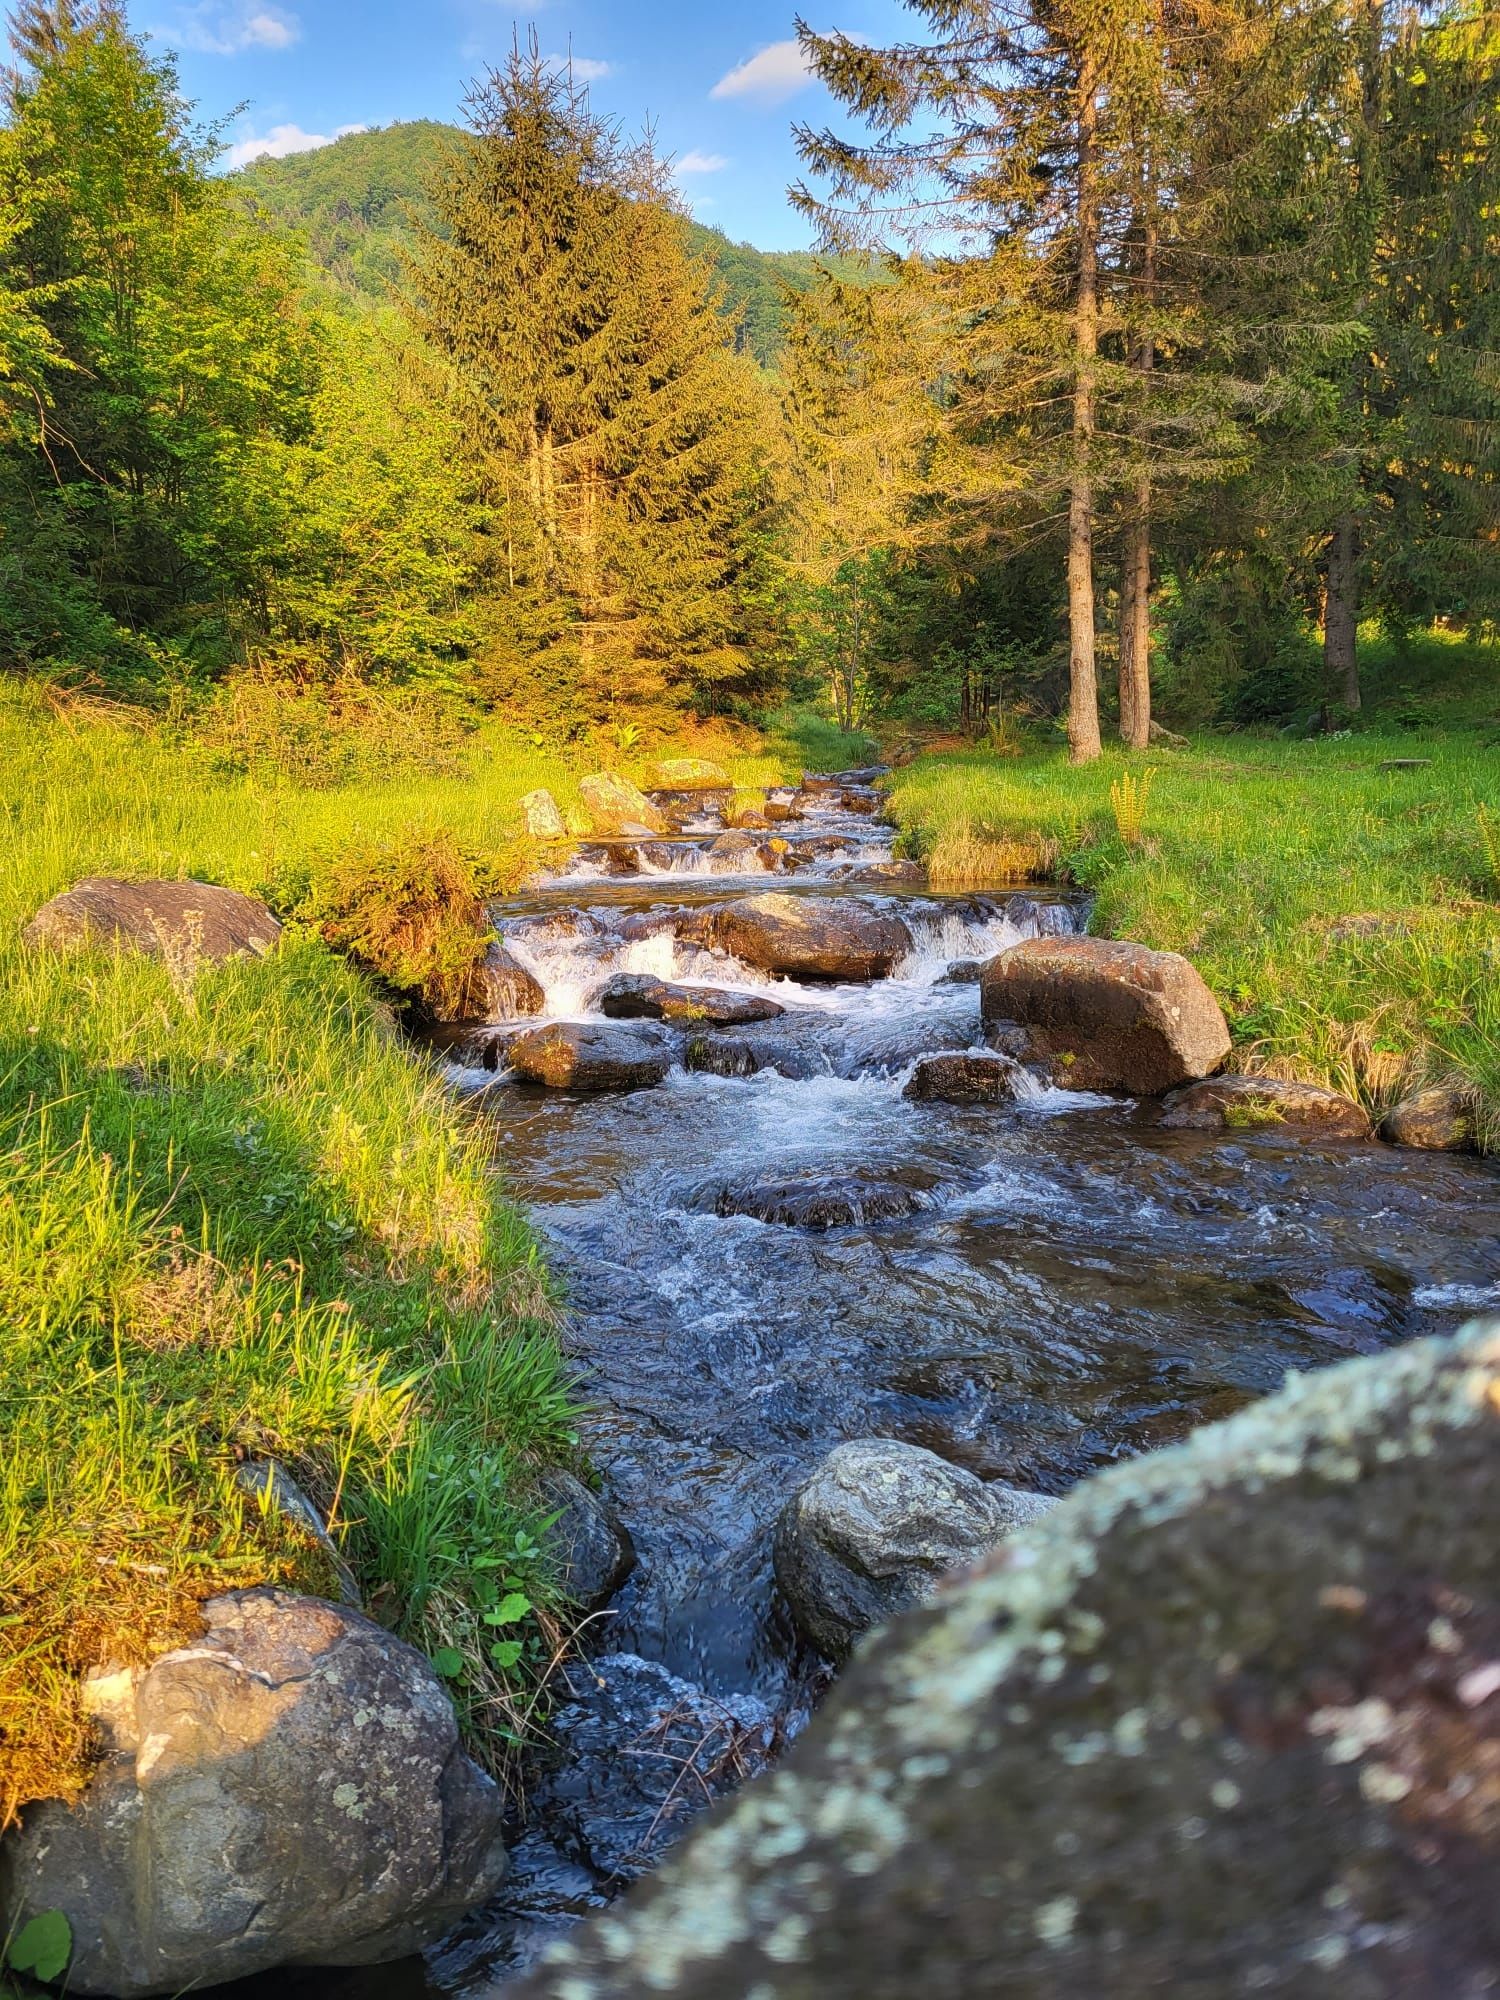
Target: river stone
x=811 y=937
x=866 y=804
x=1104 y=1014
x=893 y=871
x=739 y=847
x=819 y=1200
x=692 y=774
x=1225 y=1724
x=866 y=774
x=1438 y=1120
x=616 y=806
x=876 y=1527
x=287 y=1790
x=568 y=1056
x=963 y=972
x=588 y=1541
x=967 y=1079
x=543 y=816
x=183 y=922
x=1237 y=1102
x=508 y=991
x=636 y=996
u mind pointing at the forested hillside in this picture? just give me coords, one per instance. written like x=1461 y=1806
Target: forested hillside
x=354 y=201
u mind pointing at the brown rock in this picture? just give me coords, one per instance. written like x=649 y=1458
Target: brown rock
x=810 y=937
x=692 y=774
x=1105 y=1014
x=616 y=806
x=184 y=922
x=507 y=990
x=1438 y=1120
x=1247 y=1102
x=636 y=996
x=965 y=1079
x=567 y=1056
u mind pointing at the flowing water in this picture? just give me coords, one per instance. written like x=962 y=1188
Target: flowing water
x=1073 y=1284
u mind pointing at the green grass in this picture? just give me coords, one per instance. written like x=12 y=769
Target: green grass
x=1347 y=918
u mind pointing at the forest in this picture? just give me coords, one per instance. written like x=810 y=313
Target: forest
x=1140 y=372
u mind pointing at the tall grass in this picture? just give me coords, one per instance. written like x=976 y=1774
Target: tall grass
x=1346 y=916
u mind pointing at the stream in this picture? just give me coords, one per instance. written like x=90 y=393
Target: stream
x=1068 y=1284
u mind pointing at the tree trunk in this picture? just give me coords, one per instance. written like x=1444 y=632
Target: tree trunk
x=1083 y=686
x=1135 y=623
x=1341 y=614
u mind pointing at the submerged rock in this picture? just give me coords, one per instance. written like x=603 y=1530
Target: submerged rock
x=1226 y=1723
x=588 y=1541
x=1439 y=1120
x=507 y=990
x=183 y=922
x=544 y=820
x=616 y=806
x=1104 y=1014
x=876 y=1527
x=894 y=871
x=811 y=937
x=569 y=1056
x=819 y=1200
x=745 y=1055
x=967 y=1079
x=287 y=1790
x=1238 y=1103
x=636 y=996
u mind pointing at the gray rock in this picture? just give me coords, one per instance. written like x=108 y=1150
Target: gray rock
x=1225 y=1725
x=819 y=1200
x=544 y=820
x=811 y=937
x=567 y=1056
x=287 y=1790
x=636 y=996
x=589 y=1542
x=878 y=1525
x=1104 y=1014
x=1437 y=1120
x=183 y=922
x=967 y=1079
x=1247 y=1102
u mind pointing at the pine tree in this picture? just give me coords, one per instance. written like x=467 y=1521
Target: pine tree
x=609 y=426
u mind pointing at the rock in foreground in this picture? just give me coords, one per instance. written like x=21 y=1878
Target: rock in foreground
x=565 y=1056
x=968 y=1079
x=289 y=1789
x=877 y=1525
x=1438 y=1120
x=1225 y=1724
x=1248 y=1103
x=182 y=922
x=636 y=996
x=1105 y=1014
x=819 y=1200
x=811 y=937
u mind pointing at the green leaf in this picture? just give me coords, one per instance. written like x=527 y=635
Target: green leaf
x=510 y=1608
x=505 y=1652
x=449 y=1662
x=42 y=1947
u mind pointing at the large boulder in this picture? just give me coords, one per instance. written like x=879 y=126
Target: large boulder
x=183 y=922
x=616 y=806
x=1250 y=1103
x=1437 y=1120
x=569 y=1056
x=1104 y=1014
x=636 y=996
x=876 y=1527
x=287 y=1790
x=1226 y=1724
x=692 y=774
x=968 y=1079
x=544 y=820
x=587 y=1540
x=508 y=990
x=811 y=937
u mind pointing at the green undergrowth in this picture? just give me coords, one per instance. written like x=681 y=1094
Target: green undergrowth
x=1347 y=917
x=238 y=1218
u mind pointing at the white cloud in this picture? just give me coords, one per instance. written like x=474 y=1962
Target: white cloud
x=770 y=77
x=586 y=69
x=219 y=30
x=281 y=140
x=701 y=163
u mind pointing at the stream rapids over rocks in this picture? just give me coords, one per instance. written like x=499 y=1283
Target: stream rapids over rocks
x=1031 y=1290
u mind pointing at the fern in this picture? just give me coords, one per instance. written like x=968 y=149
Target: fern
x=1129 y=797
x=1489 y=841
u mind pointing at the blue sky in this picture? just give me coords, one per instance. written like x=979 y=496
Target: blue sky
x=722 y=82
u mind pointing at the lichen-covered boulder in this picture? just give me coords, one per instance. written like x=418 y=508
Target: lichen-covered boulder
x=287 y=1790
x=587 y=1540
x=544 y=820
x=1437 y=1120
x=616 y=806
x=810 y=937
x=877 y=1525
x=637 y=996
x=968 y=1079
x=1251 y=1103
x=568 y=1056
x=1104 y=1014
x=1225 y=1724
x=692 y=774
x=183 y=922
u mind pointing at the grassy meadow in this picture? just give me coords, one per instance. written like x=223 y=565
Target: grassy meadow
x=1347 y=916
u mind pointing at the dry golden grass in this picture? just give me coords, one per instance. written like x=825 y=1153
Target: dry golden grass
x=964 y=857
